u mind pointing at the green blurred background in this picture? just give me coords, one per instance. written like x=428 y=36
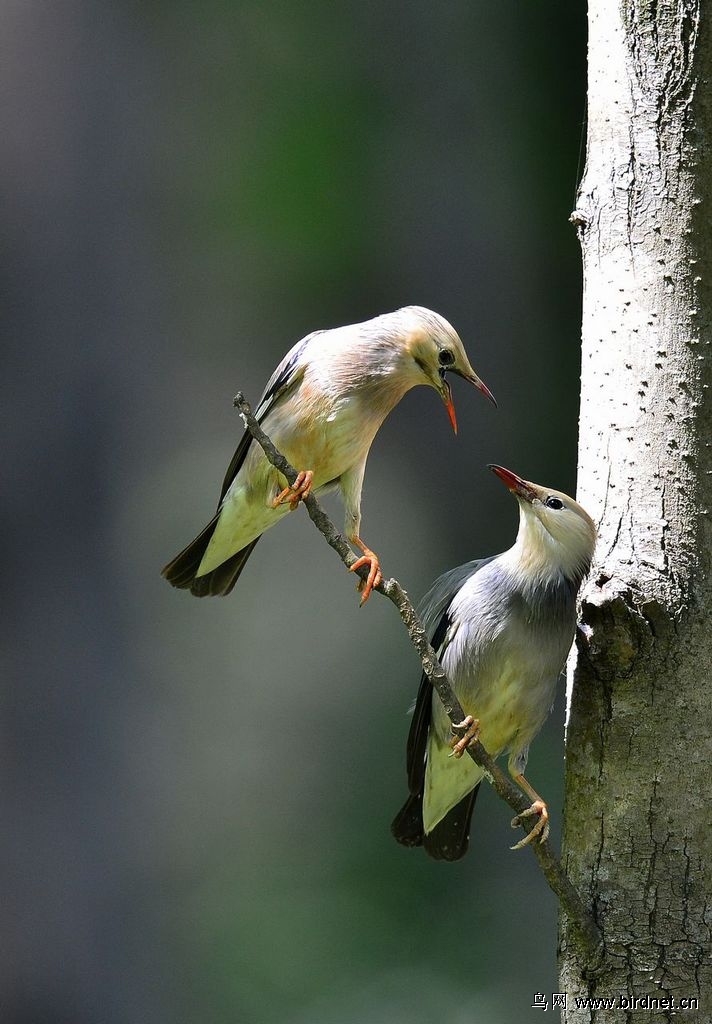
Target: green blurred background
x=196 y=795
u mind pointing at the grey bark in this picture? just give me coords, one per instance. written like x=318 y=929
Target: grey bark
x=638 y=816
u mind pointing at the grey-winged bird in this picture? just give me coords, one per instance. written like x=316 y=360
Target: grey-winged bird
x=502 y=628
x=322 y=408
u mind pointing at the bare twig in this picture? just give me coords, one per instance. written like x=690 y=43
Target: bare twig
x=391 y=588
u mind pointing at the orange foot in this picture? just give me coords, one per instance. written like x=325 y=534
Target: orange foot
x=369 y=558
x=540 y=830
x=460 y=744
x=300 y=489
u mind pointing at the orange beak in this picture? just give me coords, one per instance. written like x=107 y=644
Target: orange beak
x=449 y=405
x=446 y=392
x=520 y=488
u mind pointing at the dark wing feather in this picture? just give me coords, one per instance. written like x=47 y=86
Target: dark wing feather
x=235 y=463
x=437 y=599
x=422 y=715
x=407 y=826
x=450 y=837
x=285 y=376
x=181 y=570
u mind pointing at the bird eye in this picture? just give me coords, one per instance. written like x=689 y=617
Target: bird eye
x=446 y=357
x=554 y=503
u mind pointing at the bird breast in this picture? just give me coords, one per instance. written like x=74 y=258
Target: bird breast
x=326 y=433
x=505 y=656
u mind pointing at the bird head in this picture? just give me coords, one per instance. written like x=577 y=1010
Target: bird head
x=436 y=349
x=555 y=533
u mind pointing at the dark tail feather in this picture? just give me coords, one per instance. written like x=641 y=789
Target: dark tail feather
x=449 y=839
x=180 y=572
x=407 y=826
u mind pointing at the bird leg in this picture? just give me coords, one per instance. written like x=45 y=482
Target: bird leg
x=459 y=743
x=541 y=829
x=369 y=558
x=300 y=489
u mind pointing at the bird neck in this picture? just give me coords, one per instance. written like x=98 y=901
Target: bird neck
x=541 y=560
x=392 y=374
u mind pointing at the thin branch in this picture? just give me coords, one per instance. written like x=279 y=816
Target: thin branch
x=391 y=588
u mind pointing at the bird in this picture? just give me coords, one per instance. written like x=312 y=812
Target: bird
x=502 y=628
x=322 y=408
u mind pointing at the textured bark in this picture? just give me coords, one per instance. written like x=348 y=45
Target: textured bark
x=638 y=817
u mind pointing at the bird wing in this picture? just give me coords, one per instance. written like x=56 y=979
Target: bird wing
x=449 y=838
x=437 y=599
x=289 y=372
x=434 y=612
x=422 y=714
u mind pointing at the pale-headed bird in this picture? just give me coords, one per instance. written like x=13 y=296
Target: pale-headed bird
x=502 y=628
x=322 y=408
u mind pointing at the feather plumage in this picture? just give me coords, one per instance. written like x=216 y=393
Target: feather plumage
x=502 y=628
x=322 y=408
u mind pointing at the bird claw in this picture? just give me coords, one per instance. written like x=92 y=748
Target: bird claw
x=459 y=743
x=296 y=492
x=540 y=830
x=369 y=558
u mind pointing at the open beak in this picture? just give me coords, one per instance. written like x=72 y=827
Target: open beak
x=446 y=392
x=480 y=386
x=520 y=488
x=473 y=379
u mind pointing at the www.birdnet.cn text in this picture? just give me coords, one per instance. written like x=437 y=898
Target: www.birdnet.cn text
x=558 y=1001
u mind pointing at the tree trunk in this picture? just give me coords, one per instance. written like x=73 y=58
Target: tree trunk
x=638 y=821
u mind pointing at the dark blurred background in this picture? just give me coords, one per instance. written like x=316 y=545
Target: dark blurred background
x=196 y=795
